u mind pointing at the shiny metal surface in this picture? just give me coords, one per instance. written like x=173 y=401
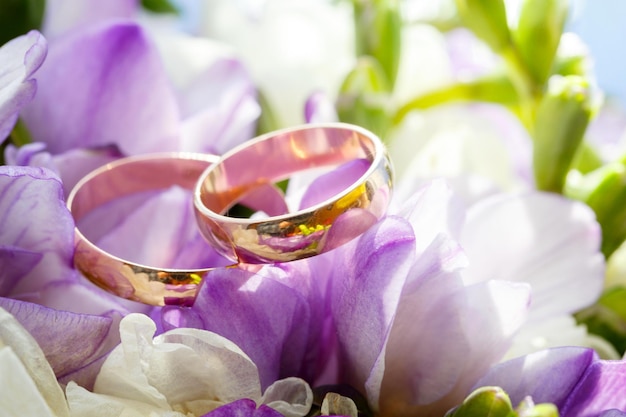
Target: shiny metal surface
x=126 y=176
x=273 y=157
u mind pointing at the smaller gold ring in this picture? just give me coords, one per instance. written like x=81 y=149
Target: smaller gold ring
x=275 y=156
x=123 y=177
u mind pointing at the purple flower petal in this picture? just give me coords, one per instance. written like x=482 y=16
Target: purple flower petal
x=156 y=228
x=266 y=319
x=613 y=413
x=543 y=239
x=334 y=182
x=219 y=108
x=60 y=332
x=434 y=209
x=104 y=86
x=547 y=376
x=243 y=408
x=267 y=198
x=34 y=219
x=466 y=328
x=368 y=279
x=19 y=59
x=16 y=263
x=76 y=163
x=65 y=15
x=318 y=108
x=600 y=388
x=433 y=292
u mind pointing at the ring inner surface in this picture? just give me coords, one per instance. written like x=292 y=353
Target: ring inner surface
x=274 y=159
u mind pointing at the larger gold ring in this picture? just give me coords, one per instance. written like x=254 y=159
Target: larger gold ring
x=134 y=281
x=276 y=156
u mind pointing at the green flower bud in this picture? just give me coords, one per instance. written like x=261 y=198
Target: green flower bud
x=604 y=190
x=378 y=26
x=561 y=120
x=364 y=97
x=538 y=35
x=485 y=401
x=528 y=408
x=607 y=318
x=159 y=6
x=487 y=19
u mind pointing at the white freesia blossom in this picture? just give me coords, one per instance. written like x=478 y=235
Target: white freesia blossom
x=181 y=373
x=29 y=387
x=292 y=48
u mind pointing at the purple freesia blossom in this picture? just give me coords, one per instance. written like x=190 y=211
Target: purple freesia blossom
x=20 y=58
x=572 y=378
x=105 y=92
x=348 y=316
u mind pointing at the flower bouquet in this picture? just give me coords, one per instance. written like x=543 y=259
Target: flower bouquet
x=474 y=266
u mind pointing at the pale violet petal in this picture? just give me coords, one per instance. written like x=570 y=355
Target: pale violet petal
x=34 y=218
x=433 y=292
x=318 y=108
x=59 y=332
x=219 y=108
x=114 y=89
x=19 y=58
x=259 y=315
x=543 y=239
x=547 y=376
x=366 y=288
x=432 y=210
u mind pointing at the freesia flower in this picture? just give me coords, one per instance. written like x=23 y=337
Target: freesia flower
x=572 y=378
x=348 y=316
x=286 y=46
x=20 y=59
x=105 y=92
x=38 y=283
x=29 y=386
x=182 y=372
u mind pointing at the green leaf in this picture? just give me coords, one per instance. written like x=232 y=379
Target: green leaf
x=604 y=190
x=364 y=97
x=159 y=6
x=561 y=120
x=17 y=17
x=538 y=35
x=485 y=402
x=20 y=135
x=607 y=318
x=378 y=27
x=586 y=159
x=487 y=19
x=494 y=89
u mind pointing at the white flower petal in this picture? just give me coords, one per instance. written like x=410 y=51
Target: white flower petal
x=33 y=367
x=292 y=397
x=543 y=239
x=19 y=395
